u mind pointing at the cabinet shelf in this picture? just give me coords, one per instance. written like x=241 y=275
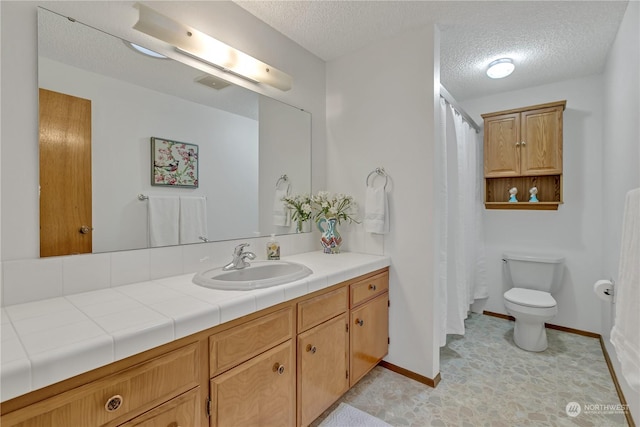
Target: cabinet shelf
x=538 y=206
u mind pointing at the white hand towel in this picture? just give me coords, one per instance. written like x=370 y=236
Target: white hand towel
x=625 y=335
x=163 y=220
x=280 y=211
x=376 y=210
x=193 y=219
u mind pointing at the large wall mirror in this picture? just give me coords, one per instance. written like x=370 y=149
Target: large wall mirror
x=119 y=99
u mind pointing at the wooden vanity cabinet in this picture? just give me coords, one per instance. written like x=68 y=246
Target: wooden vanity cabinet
x=369 y=324
x=282 y=366
x=523 y=149
x=323 y=353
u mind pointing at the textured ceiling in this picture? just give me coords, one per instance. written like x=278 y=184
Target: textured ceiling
x=548 y=40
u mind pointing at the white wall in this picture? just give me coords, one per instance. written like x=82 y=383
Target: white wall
x=621 y=160
x=380 y=112
x=125 y=116
x=223 y=20
x=575 y=229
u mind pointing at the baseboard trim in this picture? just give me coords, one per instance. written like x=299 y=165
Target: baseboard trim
x=547 y=325
x=614 y=377
x=410 y=374
x=607 y=359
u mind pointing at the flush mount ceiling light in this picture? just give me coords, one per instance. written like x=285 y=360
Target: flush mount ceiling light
x=205 y=48
x=500 y=68
x=144 y=50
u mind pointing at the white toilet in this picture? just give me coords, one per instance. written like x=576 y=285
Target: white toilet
x=532 y=279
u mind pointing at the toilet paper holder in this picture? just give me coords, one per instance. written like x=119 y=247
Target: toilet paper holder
x=610 y=291
x=604 y=289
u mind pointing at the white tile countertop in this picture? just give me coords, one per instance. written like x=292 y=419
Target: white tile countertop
x=50 y=340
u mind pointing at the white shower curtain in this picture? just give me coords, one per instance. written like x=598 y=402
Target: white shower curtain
x=462 y=277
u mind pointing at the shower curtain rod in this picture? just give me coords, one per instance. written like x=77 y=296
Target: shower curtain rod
x=447 y=97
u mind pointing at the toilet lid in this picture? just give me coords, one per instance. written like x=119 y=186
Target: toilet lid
x=530 y=298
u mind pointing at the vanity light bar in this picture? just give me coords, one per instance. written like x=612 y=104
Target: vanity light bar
x=205 y=48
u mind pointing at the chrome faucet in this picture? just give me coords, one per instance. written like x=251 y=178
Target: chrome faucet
x=239 y=257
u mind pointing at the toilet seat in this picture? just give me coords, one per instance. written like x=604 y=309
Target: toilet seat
x=530 y=298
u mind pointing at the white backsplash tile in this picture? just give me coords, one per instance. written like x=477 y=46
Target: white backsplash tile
x=83 y=273
x=165 y=262
x=130 y=267
x=31 y=280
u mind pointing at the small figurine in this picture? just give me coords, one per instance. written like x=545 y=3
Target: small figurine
x=533 y=191
x=512 y=193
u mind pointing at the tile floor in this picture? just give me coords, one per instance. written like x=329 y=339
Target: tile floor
x=488 y=381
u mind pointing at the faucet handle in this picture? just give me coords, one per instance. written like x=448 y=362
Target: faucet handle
x=238 y=250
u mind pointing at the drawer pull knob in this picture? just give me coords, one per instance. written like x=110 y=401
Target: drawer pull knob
x=278 y=368
x=359 y=322
x=113 y=403
x=312 y=348
x=372 y=287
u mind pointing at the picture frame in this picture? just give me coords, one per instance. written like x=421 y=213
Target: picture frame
x=174 y=163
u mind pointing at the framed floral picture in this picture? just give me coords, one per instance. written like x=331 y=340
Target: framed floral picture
x=174 y=163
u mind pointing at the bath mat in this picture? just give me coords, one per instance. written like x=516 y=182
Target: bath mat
x=348 y=416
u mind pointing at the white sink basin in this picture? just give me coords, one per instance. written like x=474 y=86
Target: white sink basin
x=260 y=274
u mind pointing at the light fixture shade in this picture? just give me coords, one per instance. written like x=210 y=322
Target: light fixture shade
x=205 y=48
x=500 y=68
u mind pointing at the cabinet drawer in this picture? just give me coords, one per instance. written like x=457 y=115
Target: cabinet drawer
x=180 y=411
x=369 y=288
x=131 y=391
x=316 y=310
x=236 y=345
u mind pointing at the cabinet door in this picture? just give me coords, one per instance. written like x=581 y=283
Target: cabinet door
x=322 y=367
x=502 y=145
x=259 y=392
x=369 y=336
x=181 y=411
x=542 y=141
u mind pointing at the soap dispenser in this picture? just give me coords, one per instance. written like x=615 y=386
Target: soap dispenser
x=273 y=248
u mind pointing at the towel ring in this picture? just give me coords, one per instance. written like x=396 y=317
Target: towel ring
x=378 y=172
x=283 y=178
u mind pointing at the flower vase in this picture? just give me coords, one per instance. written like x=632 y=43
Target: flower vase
x=330 y=239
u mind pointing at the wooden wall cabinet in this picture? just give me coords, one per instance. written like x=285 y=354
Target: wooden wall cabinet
x=282 y=366
x=523 y=149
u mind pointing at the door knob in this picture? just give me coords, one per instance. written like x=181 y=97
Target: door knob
x=85 y=229
x=312 y=348
x=359 y=322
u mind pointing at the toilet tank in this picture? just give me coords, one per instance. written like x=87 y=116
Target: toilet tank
x=538 y=272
